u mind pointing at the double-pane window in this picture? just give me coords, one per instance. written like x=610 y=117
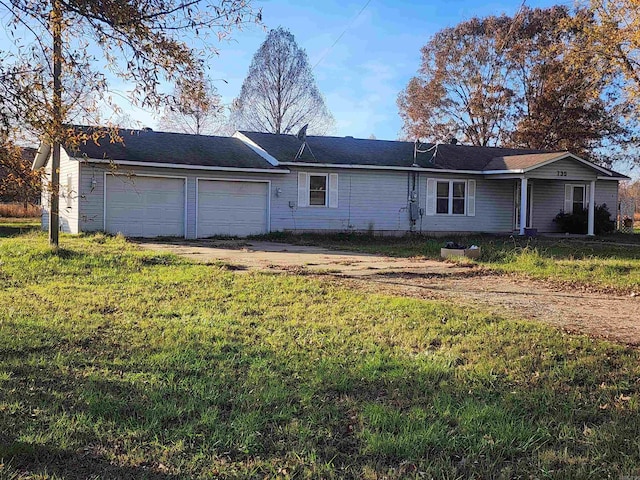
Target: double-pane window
x=318 y=190
x=450 y=197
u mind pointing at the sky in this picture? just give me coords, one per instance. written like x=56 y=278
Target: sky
x=362 y=74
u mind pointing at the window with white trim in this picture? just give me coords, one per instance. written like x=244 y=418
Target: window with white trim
x=318 y=190
x=576 y=197
x=579 y=199
x=450 y=197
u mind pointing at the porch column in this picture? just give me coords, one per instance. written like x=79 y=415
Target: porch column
x=523 y=204
x=592 y=209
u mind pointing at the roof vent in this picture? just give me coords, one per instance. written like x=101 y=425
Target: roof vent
x=147 y=129
x=453 y=141
x=349 y=136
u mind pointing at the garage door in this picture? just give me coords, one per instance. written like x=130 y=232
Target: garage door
x=139 y=206
x=232 y=208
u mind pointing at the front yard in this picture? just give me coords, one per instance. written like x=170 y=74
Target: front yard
x=118 y=363
x=609 y=263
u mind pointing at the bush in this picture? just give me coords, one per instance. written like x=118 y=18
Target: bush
x=577 y=222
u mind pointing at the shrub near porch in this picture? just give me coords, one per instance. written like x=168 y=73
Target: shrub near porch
x=121 y=363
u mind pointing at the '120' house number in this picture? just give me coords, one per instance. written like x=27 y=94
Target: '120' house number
x=562 y=173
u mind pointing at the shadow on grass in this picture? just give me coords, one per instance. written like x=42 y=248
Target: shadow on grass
x=14 y=231
x=44 y=461
x=203 y=407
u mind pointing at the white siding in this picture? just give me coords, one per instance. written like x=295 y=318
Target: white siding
x=548 y=200
x=573 y=169
x=607 y=192
x=493 y=208
x=69 y=197
x=367 y=201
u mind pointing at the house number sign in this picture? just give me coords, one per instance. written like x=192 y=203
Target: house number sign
x=562 y=173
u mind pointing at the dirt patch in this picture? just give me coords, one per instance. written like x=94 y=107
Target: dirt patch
x=598 y=314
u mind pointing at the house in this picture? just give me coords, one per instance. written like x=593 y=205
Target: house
x=167 y=184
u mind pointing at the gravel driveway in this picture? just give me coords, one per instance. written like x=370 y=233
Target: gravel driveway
x=610 y=316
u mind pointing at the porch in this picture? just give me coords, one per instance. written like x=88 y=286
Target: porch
x=539 y=200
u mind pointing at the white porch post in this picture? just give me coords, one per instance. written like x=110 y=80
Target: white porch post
x=523 y=205
x=592 y=209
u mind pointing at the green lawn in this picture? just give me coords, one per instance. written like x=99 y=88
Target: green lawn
x=17 y=226
x=119 y=363
x=609 y=263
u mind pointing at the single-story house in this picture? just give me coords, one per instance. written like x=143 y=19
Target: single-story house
x=168 y=184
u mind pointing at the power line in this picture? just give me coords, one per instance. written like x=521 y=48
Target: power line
x=342 y=34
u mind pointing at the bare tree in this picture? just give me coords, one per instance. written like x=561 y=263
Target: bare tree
x=141 y=40
x=279 y=94
x=195 y=108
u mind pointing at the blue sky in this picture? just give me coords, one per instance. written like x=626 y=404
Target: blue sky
x=363 y=73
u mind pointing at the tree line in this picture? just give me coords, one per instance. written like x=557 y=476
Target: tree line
x=554 y=78
x=547 y=79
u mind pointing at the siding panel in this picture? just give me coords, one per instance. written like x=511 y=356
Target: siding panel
x=69 y=194
x=548 y=200
x=574 y=170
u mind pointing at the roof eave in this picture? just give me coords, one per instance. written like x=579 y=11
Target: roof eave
x=183 y=166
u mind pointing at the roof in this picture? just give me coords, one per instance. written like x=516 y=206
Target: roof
x=147 y=146
x=267 y=151
x=522 y=162
x=356 y=151
x=398 y=154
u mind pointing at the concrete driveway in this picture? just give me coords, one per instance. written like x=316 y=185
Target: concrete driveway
x=256 y=255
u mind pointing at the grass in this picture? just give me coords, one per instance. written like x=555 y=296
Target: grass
x=609 y=263
x=119 y=363
x=18 y=226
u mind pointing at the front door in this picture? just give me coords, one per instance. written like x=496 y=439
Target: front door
x=516 y=205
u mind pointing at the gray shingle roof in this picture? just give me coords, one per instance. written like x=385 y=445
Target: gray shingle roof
x=348 y=150
x=384 y=153
x=172 y=148
x=521 y=162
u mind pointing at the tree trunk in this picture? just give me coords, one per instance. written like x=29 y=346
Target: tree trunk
x=56 y=130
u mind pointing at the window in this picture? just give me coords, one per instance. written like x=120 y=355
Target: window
x=458 y=198
x=442 y=201
x=578 y=198
x=450 y=197
x=318 y=190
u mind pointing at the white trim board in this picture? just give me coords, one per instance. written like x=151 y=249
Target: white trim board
x=181 y=166
x=256 y=148
x=243 y=180
x=104 y=195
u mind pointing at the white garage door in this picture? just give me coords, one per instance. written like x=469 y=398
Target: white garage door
x=139 y=206
x=232 y=208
